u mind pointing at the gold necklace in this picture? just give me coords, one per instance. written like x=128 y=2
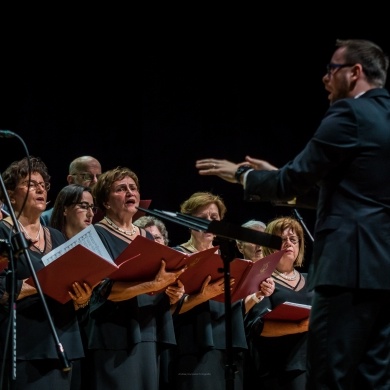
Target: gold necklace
x=127 y=232
x=282 y=275
x=189 y=246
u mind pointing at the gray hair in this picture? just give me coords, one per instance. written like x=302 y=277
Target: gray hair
x=252 y=224
x=147 y=220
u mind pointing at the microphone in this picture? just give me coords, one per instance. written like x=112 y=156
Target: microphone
x=7 y=134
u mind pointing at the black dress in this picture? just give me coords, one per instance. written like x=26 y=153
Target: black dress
x=276 y=362
x=126 y=338
x=200 y=358
x=37 y=363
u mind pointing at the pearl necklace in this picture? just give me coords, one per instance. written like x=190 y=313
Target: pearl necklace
x=127 y=232
x=37 y=238
x=282 y=275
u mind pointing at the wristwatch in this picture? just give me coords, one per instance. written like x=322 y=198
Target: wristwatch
x=242 y=169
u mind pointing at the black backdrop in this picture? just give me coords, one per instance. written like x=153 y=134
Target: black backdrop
x=157 y=100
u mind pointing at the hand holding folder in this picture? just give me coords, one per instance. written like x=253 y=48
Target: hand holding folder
x=83 y=258
x=79 y=264
x=197 y=271
x=141 y=260
x=248 y=275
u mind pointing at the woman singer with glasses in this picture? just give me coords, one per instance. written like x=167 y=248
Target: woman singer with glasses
x=73 y=211
x=38 y=364
x=277 y=348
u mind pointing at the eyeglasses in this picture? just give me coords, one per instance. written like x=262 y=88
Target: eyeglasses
x=331 y=66
x=85 y=206
x=158 y=238
x=85 y=176
x=34 y=185
x=293 y=239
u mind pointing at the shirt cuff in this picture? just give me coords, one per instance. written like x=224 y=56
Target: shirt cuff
x=245 y=176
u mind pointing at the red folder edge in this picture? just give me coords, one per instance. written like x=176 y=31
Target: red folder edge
x=287 y=311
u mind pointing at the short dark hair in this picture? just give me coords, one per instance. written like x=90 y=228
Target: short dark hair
x=374 y=61
x=20 y=170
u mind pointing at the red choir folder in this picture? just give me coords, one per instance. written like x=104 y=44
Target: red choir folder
x=78 y=264
x=289 y=311
x=198 y=270
x=248 y=275
x=141 y=260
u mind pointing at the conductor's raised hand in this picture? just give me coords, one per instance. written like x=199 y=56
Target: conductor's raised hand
x=223 y=168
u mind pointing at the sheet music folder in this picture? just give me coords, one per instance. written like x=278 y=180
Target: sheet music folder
x=79 y=264
x=84 y=259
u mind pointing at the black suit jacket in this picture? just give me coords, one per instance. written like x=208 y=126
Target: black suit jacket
x=348 y=159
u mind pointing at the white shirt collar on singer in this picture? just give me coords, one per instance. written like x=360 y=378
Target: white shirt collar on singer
x=359 y=94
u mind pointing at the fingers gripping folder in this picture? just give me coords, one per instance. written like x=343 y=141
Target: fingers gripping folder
x=219 y=228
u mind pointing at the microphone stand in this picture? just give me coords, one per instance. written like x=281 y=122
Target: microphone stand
x=300 y=219
x=224 y=230
x=230 y=368
x=17 y=246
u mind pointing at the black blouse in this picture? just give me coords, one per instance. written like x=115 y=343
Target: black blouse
x=121 y=325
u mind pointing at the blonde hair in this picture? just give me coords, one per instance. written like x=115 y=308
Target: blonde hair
x=200 y=199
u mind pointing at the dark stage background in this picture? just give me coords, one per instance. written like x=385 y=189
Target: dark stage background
x=156 y=101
